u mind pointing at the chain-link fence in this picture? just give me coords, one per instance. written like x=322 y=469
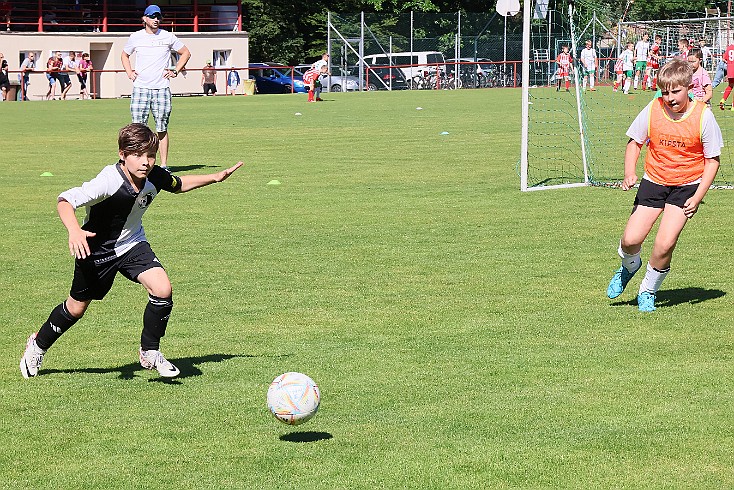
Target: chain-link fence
x=425 y=50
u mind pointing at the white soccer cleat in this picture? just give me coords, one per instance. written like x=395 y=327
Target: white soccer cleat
x=153 y=359
x=32 y=358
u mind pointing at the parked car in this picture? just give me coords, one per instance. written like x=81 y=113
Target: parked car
x=383 y=78
x=338 y=81
x=271 y=78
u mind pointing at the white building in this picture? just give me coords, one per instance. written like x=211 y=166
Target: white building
x=225 y=49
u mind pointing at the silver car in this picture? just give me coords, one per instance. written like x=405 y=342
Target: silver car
x=338 y=81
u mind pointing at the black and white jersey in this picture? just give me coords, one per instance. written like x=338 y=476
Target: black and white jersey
x=115 y=210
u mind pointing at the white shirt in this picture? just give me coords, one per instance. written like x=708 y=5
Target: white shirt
x=153 y=56
x=627 y=60
x=706 y=52
x=588 y=58
x=641 y=49
x=70 y=64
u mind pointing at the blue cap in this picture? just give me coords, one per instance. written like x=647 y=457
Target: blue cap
x=152 y=9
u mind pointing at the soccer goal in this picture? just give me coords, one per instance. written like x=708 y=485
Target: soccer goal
x=577 y=138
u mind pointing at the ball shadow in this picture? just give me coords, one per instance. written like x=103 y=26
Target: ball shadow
x=307 y=436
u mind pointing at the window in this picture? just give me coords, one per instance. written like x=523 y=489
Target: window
x=220 y=58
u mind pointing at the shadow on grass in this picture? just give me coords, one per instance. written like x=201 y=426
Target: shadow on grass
x=672 y=297
x=308 y=436
x=187 y=365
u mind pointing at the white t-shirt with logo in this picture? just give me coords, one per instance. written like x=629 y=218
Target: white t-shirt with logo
x=641 y=49
x=152 y=56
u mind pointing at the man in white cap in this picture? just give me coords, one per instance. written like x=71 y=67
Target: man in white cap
x=152 y=73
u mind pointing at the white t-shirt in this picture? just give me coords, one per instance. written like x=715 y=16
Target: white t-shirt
x=627 y=58
x=153 y=56
x=711 y=136
x=588 y=58
x=70 y=64
x=641 y=49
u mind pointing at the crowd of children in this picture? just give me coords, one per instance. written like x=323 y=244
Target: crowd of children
x=638 y=64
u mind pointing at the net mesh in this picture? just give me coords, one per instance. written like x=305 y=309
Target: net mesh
x=554 y=137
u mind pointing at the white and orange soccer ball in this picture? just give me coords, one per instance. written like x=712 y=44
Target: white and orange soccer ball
x=293 y=398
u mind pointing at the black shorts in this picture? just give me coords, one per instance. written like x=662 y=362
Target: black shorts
x=64 y=80
x=210 y=87
x=654 y=195
x=93 y=278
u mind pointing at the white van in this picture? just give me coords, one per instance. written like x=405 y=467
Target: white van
x=428 y=59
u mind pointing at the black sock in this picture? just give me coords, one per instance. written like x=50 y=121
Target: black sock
x=155 y=321
x=59 y=321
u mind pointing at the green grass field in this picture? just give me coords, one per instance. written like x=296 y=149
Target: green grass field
x=458 y=328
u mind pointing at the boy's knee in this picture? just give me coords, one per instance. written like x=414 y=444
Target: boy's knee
x=161 y=290
x=76 y=308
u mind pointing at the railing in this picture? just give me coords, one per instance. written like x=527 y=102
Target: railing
x=102 y=17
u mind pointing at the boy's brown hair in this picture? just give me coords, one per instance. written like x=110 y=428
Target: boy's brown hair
x=137 y=138
x=697 y=52
x=675 y=73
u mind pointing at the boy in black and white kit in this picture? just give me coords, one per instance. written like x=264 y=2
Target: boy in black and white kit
x=112 y=240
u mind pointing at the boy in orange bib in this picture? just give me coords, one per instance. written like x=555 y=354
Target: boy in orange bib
x=684 y=143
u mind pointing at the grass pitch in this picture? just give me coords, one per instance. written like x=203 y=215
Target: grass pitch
x=458 y=329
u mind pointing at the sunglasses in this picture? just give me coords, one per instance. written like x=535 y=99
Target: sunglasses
x=155 y=16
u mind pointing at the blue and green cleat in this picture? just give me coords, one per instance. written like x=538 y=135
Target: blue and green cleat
x=619 y=281
x=646 y=301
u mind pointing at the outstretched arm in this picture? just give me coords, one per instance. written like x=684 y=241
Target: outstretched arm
x=191 y=182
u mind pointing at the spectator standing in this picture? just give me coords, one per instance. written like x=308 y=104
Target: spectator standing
x=209 y=79
x=28 y=65
x=5 y=10
x=53 y=66
x=70 y=64
x=152 y=74
x=85 y=66
x=4 y=80
x=233 y=81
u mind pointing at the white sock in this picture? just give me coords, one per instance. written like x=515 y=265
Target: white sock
x=584 y=83
x=626 y=85
x=591 y=81
x=631 y=262
x=653 y=279
x=637 y=81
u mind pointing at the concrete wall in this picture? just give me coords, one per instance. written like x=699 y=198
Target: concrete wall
x=105 y=50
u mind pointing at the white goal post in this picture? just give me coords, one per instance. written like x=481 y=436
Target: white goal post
x=575 y=137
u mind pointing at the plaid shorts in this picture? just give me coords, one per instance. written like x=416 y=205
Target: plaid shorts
x=155 y=100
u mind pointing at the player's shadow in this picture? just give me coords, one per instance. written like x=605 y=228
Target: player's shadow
x=307 y=436
x=673 y=297
x=186 y=168
x=187 y=365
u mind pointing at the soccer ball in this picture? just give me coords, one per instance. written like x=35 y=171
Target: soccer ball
x=293 y=398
